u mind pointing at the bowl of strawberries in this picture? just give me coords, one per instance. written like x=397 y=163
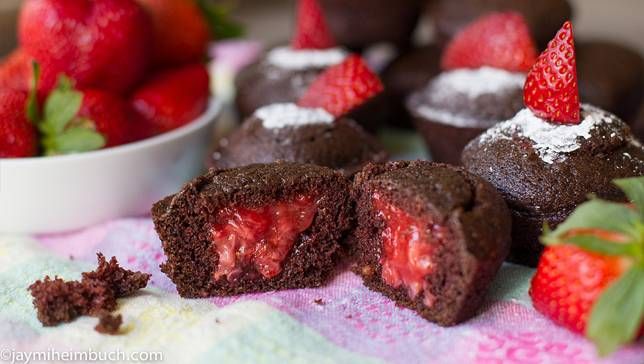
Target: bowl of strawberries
x=104 y=109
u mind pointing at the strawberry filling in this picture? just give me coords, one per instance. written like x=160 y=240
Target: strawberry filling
x=408 y=249
x=259 y=237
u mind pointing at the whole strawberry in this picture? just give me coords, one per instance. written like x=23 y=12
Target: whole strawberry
x=343 y=87
x=17 y=133
x=109 y=115
x=79 y=121
x=551 y=90
x=312 y=31
x=500 y=40
x=16 y=73
x=590 y=278
x=173 y=98
x=98 y=43
x=181 y=32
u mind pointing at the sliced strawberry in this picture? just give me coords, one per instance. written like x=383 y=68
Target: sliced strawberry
x=343 y=87
x=312 y=30
x=551 y=90
x=500 y=40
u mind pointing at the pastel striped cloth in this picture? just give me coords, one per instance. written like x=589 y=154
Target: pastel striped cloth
x=342 y=322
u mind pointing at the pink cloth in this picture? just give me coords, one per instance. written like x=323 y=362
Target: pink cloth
x=508 y=329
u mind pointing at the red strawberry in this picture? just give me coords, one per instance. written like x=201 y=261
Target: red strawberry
x=568 y=282
x=173 y=98
x=17 y=133
x=98 y=43
x=343 y=87
x=312 y=30
x=16 y=73
x=181 y=32
x=590 y=277
x=500 y=40
x=73 y=121
x=108 y=114
x=551 y=90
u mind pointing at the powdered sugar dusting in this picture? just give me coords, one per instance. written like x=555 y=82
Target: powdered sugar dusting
x=301 y=59
x=551 y=141
x=446 y=117
x=476 y=82
x=277 y=116
x=470 y=83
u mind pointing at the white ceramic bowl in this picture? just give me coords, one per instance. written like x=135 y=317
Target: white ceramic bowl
x=62 y=193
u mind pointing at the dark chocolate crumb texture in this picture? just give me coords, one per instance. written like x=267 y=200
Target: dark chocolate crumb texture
x=429 y=236
x=256 y=228
x=58 y=301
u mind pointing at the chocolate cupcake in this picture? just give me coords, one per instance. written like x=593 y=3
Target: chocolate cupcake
x=407 y=73
x=429 y=236
x=544 y=16
x=458 y=105
x=283 y=74
x=611 y=76
x=297 y=134
x=357 y=24
x=545 y=170
x=252 y=229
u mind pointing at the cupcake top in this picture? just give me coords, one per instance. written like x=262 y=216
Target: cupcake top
x=598 y=130
x=302 y=59
x=475 y=98
x=282 y=115
x=294 y=133
x=543 y=167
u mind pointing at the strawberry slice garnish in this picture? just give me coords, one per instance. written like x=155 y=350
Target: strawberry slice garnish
x=500 y=40
x=343 y=87
x=551 y=90
x=590 y=278
x=312 y=29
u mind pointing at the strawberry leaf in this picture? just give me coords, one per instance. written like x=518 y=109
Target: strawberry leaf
x=61 y=106
x=617 y=315
x=219 y=20
x=78 y=139
x=33 y=110
x=599 y=214
x=634 y=190
x=593 y=243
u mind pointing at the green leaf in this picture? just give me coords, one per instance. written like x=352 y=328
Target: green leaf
x=596 y=244
x=634 y=190
x=78 y=139
x=33 y=110
x=616 y=317
x=597 y=214
x=218 y=18
x=61 y=107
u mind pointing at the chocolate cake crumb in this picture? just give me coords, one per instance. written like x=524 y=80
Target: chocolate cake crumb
x=58 y=301
x=122 y=281
x=109 y=324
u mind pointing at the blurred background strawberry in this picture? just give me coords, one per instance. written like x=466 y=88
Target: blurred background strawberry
x=98 y=43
